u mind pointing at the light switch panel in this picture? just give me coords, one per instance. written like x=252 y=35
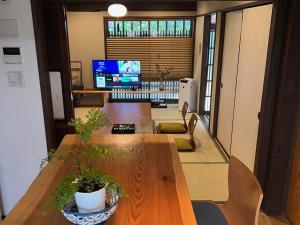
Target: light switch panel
x=15 y=79
x=9 y=28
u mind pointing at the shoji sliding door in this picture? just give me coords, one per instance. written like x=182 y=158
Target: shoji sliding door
x=243 y=69
x=250 y=79
x=232 y=39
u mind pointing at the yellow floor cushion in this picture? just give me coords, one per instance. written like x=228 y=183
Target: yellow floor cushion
x=183 y=144
x=172 y=128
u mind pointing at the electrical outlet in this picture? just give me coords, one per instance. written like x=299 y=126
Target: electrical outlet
x=15 y=79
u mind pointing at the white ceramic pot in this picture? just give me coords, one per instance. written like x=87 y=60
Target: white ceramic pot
x=90 y=202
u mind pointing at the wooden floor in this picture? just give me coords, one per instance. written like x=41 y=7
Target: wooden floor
x=267 y=220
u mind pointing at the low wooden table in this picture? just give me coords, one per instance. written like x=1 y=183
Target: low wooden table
x=152 y=176
x=106 y=93
x=96 y=91
x=137 y=113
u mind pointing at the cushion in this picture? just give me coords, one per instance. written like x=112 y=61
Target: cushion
x=183 y=144
x=208 y=213
x=172 y=128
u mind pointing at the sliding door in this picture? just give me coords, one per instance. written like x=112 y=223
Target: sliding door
x=250 y=79
x=228 y=81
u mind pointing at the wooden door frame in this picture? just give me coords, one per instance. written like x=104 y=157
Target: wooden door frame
x=219 y=76
x=203 y=76
x=55 y=129
x=40 y=41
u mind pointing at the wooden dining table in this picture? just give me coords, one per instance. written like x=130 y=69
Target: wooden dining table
x=137 y=113
x=151 y=174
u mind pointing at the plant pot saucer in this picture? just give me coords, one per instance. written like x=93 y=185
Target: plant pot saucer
x=71 y=213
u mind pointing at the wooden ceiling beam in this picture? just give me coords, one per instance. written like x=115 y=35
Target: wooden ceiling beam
x=133 y=6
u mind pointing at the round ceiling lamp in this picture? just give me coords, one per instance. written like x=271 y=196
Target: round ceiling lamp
x=117 y=10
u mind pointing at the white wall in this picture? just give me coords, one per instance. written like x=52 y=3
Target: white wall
x=22 y=133
x=86 y=36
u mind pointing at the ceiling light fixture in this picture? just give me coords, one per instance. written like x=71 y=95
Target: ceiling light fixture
x=117 y=10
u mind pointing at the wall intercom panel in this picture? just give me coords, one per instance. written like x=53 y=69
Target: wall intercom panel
x=12 y=55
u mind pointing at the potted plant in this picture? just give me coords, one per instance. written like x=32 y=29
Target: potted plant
x=84 y=182
x=163 y=73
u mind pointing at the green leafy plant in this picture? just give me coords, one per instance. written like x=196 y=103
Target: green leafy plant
x=83 y=174
x=165 y=72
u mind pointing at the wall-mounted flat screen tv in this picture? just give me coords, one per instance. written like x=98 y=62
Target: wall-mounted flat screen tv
x=110 y=74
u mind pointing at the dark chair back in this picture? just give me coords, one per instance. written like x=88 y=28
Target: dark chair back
x=184 y=111
x=191 y=128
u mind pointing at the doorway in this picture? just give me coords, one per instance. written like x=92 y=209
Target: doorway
x=209 y=41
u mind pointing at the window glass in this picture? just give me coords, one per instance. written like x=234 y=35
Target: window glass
x=207 y=104
x=111 y=27
x=153 y=28
x=213 y=18
x=209 y=72
x=212 y=39
x=145 y=27
x=162 y=27
x=119 y=27
x=150 y=28
x=208 y=88
x=136 y=28
x=127 y=28
x=211 y=56
x=187 y=27
x=170 y=27
x=179 y=27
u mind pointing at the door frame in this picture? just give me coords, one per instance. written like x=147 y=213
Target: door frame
x=204 y=67
x=40 y=42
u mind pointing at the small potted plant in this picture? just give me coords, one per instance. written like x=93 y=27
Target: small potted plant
x=163 y=73
x=84 y=183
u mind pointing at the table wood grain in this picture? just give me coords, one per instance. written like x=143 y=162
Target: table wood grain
x=152 y=176
x=137 y=113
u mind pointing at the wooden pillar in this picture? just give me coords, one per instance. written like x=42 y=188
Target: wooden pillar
x=280 y=107
x=59 y=58
x=40 y=40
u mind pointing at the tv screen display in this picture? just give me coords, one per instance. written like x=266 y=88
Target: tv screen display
x=117 y=73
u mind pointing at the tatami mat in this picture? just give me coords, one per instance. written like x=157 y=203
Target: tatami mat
x=81 y=112
x=206 y=151
x=168 y=114
x=207 y=181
